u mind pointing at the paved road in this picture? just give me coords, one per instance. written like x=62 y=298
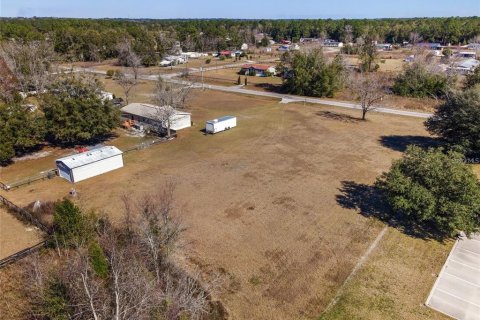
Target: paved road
x=457 y=289
x=285 y=98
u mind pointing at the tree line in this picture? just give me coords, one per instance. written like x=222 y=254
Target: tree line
x=96 y=39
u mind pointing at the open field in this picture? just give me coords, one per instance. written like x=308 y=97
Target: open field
x=260 y=202
x=15 y=235
x=395 y=281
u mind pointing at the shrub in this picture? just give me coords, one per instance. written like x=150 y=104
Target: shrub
x=98 y=260
x=55 y=301
x=472 y=79
x=208 y=61
x=417 y=81
x=110 y=73
x=434 y=189
x=71 y=228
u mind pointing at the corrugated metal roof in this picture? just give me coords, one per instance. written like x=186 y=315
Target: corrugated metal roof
x=81 y=159
x=145 y=110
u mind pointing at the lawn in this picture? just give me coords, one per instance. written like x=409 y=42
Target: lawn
x=260 y=202
x=15 y=235
x=395 y=281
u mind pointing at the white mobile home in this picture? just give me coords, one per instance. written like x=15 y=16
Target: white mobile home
x=148 y=116
x=82 y=166
x=221 y=124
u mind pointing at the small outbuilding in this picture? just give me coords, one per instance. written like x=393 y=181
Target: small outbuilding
x=79 y=167
x=259 y=70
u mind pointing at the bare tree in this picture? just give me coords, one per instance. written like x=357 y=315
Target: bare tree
x=29 y=63
x=127 y=83
x=128 y=58
x=348 y=33
x=415 y=38
x=170 y=99
x=369 y=90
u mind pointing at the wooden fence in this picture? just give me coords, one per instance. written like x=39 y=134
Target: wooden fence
x=23 y=215
x=49 y=174
x=21 y=254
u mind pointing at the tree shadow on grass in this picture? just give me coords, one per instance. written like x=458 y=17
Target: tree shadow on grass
x=338 y=116
x=270 y=87
x=400 y=143
x=369 y=201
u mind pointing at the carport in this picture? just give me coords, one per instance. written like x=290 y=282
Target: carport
x=456 y=292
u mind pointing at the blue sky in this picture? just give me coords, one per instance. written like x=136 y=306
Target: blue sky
x=276 y=9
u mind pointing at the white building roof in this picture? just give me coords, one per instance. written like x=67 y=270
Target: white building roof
x=469 y=64
x=146 y=110
x=84 y=158
x=220 y=119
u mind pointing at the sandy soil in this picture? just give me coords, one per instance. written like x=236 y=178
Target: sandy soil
x=15 y=235
x=260 y=201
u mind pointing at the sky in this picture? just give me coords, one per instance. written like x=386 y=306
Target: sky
x=244 y=9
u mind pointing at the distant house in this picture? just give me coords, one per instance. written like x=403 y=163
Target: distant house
x=244 y=47
x=467 y=54
x=332 y=43
x=179 y=59
x=259 y=70
x=384 y=46
x=146 y=115
x=465 y=66
x=307 y=40
x=227 y=53
x=473 y=46
x=430 y=46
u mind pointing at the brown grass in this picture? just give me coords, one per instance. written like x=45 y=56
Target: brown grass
x=259 y=201
x=15 y=235
x=395 y=281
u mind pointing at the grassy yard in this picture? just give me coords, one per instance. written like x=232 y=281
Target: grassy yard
x=15 y=235
x=260 y=202
x=395 y=281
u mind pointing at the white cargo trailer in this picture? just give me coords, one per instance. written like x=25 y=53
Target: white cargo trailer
x=221 y=124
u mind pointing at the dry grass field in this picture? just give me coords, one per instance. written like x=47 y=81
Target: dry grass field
x=15 y=235
x=261 y=204
x=395 y=281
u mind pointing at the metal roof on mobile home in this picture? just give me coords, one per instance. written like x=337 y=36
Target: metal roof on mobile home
x=84 y=158
x=146 y=110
